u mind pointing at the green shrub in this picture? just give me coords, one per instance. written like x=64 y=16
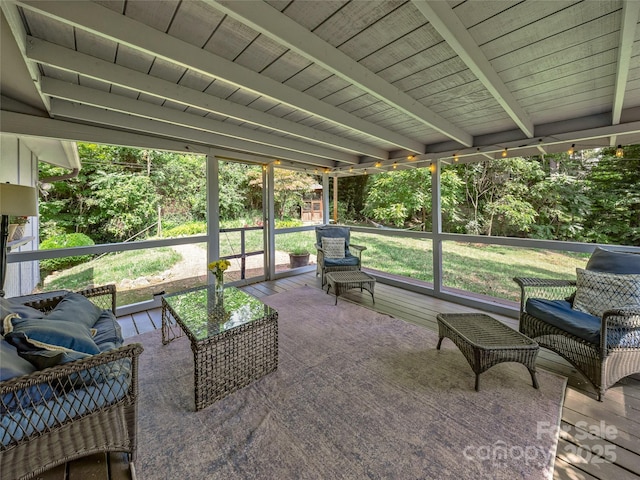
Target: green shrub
x=191 y=228
x=66 y=240
x=288 y=223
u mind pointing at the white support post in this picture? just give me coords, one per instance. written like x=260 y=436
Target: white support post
x=325 y=198
x=268 y=200
x=436 y=221
x=213 y=212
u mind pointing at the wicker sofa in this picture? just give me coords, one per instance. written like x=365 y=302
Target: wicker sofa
x=604 y=347
x=75 y=408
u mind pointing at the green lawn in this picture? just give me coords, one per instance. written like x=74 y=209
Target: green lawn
x=478 y=268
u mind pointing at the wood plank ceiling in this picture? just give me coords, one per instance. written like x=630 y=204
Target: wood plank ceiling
x=339 y=85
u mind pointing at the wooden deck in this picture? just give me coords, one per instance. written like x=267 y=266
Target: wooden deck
x=583 y=451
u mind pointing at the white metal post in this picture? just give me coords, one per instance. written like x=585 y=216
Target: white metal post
x=213 y=212
x=325 y=198
x=268 y=201
x=436 y=228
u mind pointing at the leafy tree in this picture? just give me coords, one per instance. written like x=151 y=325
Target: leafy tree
x=402 y=196
x=562 y=204
x=614 y=188
x=236 y=195
x=289 y=189
x=122 y=204
x=496 y=195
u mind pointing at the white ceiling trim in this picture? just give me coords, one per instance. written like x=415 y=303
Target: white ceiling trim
x=118 y=103
x=267 y=20
x=63 y=58
x=106 y=23
x=23 y=124
x=19 y=34
x=65 y=109
x=449 y=26
x=630 y=12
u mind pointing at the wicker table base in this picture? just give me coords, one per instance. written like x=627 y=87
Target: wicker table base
x=485 y=342
x=343 y=281
x=234 y=341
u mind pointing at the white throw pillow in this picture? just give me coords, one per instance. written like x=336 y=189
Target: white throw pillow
x=333 y=247
x=597 y=292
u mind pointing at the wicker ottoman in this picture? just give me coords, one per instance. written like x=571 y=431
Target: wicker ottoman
x=485 y=342
x=343 y=281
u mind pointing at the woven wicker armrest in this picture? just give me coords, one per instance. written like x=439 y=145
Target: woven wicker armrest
x=549 y=289
x=357 y=247
x=628 y=317
x=64 y=370
x=103 y=296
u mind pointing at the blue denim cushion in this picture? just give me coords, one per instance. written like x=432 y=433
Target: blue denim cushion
x=12 y=366
x=108 y=331
x=76 y=308
x=560 y=314
x=9 y=306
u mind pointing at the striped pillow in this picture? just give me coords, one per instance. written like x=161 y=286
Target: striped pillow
x=333 y=247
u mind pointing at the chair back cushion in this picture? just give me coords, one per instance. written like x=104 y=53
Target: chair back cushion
x=333 y=247
x=603 y=260
x=597 y=292
x=331 y=231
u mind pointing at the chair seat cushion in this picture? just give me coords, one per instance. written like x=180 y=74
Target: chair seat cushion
x=560 y=314
x=348 y=261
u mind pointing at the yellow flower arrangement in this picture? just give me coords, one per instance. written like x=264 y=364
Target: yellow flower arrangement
x=218 y=267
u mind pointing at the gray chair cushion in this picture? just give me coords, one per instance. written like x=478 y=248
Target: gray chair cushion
x=603 y=260
x=333 y=232
x=347 y=261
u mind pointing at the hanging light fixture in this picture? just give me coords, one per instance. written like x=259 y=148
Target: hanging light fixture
x=432 y=168
x=395 y=165
x=410 y=157
x=504 y=153
x=619 y=152
x=455 y=157
x=572 y=149
x=378 y=164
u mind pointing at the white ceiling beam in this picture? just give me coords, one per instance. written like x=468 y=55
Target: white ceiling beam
x=451 y=29
x=31 y=125
x=630 y=11
x=96 y=98
x=65 y=109
x=267 y=20
x=106 y=23
x=19 y=33
x=69 y=60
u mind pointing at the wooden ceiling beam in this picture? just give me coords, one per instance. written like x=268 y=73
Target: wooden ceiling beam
x=93 y=115
x=630 y=12
x=451 y=29
x=267 y=20
x=96 y=98
x=63 y=58
x=106 y=23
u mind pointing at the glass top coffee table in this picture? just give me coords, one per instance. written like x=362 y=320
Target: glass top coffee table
x=233 y=335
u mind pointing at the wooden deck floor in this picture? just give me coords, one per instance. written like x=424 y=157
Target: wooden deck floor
x=599 y=440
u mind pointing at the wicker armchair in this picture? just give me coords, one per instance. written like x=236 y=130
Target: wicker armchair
x=92 y=406
x=603 y=363
x=352 y=253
